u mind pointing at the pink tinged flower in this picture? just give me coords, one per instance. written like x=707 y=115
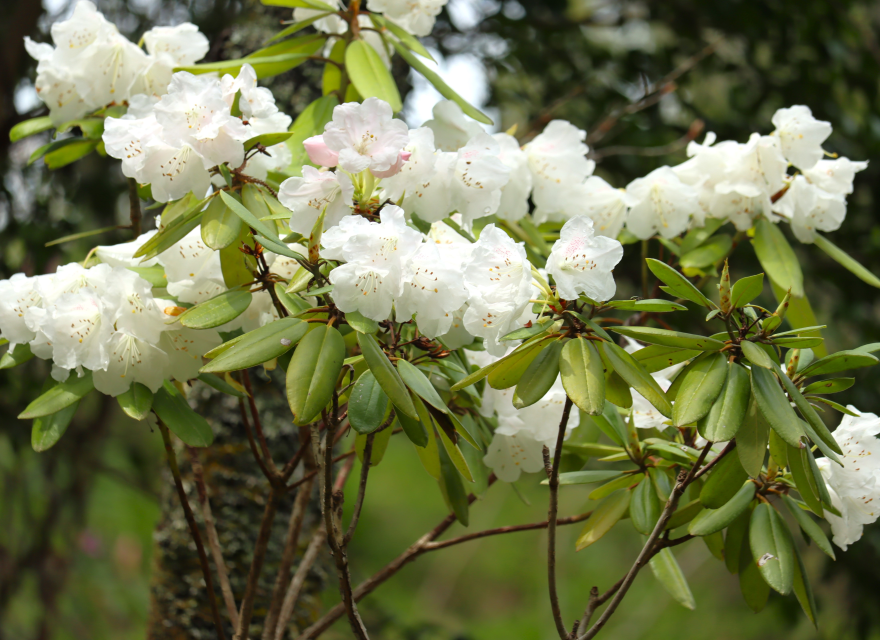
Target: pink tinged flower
x=320 y=153
x=396 y=167
x=366 y=136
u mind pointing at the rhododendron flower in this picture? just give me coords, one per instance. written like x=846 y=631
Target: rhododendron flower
x=582 y=262
x=800 y=135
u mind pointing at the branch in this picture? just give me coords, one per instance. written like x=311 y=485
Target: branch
x=134 y=204
x=730 y=447
x=258 y=426
x=193 y=527
x=250 y=590
x=213 y=539
x=532 y=526
x=299 y=578
x=553 y=476
x=251 y=442
x=693 y=131
x=362 y=490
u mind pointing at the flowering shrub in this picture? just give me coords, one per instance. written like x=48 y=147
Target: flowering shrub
x=455 y=288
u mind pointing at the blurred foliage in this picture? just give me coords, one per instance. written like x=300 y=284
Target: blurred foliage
x=75 y=551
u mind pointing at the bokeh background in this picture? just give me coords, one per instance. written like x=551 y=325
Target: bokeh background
x=76 y=539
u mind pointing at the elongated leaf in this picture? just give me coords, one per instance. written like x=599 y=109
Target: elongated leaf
x=408 y=39
x=223 y=385
x=604 y=516
x=60 y=396
x=360 y=323
x=756 y=355
x=774 y=406
x=582 y=376
x=772 y=548
x=249 y=191
x=259 y=346
x=745 y=290
x=380 y=445
x=677 y=283
x=30 y=127
x=313 y=372
x=420 y=385
x=804 y=480
x=173 y=409
x=840 y=361
x=417 y=430
x=452 y=487
x=711 y=520
x=47 y=430
x=819 y=429
x=455 y=455
x=635 y=375
x=218 y=310
x=629 y=481
x=69 y=153
x=802 y=589
x=753 y=587
x=386 y=375
x=585 y=477
x=684 y=514
x=809 y=527
x=444 y=89
x=725 y=480
x=136 y=402
x=175 y=230
x=265 y=67
x=13 y=357
x=220 y=226
x=367 y=404
x=645 y=508
x=666 y=569
x=656 y=357
x=835 y=385
x=538 y=377
x=737 y=531
x=729 y=410
x=712 y=251
x=369 y=74
x=844 y=259
x=701 y=384
x=267 y=139
x=668 y=338
x=778 y=258
x=651 y=306
x=511 y=368
x=798 y=342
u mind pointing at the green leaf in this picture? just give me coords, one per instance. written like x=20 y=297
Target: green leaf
x=178 y=227
x=668 y=338
x=511 y=368
x=665 y=568
x=798 y=342
x=656 y=357
x=220 y=226
x=833 y=385
x=753 y=587
x=155 y=275
x=306 y=4
x=844 y=259
x=772 y=548
x=47 y=430
x=684 y=514
x=524 y=333
x=420 y=385
x=778 y=258
x=677 y=283
x=265 y=67
x=30 y=127
x=259 y=346
x=809 y=527
x=587 y=450
x=737 y=531
x=802 y=589
x=218 y=310
x=834 y=405
x=452 y=487
x=307 y=124
x=380 y=445
x=409 y=40
x=454 y=454
x=173 y=409
x=715 y=544
x=13 y=357
x=221 y=385
x=774 y=406
x=91 y=128
x=645 y=508
x=367 y=404
x=604 y=516
x=628 y=481
x=708 y=254
x=538 y=377
x=730 y=407
x=711 y=520
x=386 y=375
x=725 y=480
x=332 y=77
x=804 y=480
x=267 y=139
x=745 y=290
x=650 y=306
x=701 y=384
x=360 y=323
x=585 y=477
x=825 y=440
x=249 y=193
x=63 y=156
x=756 y=355
x=313 y=372
x=444 y=89
x=751 y=440
x=369 y=75
x=297 y=26
x=417 y=430
x=60 y=396
x=778 y=450
x=136 y=402
x=582 y=375
x=636 y=376
x=840 y=361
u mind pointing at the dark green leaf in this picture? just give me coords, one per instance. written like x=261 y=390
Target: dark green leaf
x=802 y=589
x=684 y=514
x=416 y=430
x=173 y=409
x=218 y=310
x=656 y=357
x=420 y=385
x=386 y=375
x=313 y=372
x=677 y=283
x=737 y=531
x=774 y=406
x=652 y=306
x=367 y=404
x=668 y=338
x=635 y=375
x=834 y=385
x=585 y=477
x=136 y=402
x=725 y=480
x=701 y=383
x=840 y=361
x=778 y=258
x=604 y=516
x=809 y=527
x=729 y=410
x=582 y=376
x=249 y=191
x=452 y=487
x=47 y=430
x=538 y=377
x=59 y=396
x=645 y=508
x=511 y=368
x=711 y=520
x=455 y=455
x=772 y=548
x=820 y=433
x=804 y=480
x=221 y=385
x=754 y=588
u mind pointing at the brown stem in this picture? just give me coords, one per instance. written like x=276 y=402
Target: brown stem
x=251 y=441
x=299 y=578
x=730 y=447
x=213 y=538
x=193 y=528
x=258 y=425
x=250 y=590
x=362 y=490
x=134 y=203
x=532 y=526
x=314 y=472
x=553 y=476
x=294 y=526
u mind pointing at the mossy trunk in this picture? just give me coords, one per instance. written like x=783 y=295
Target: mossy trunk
x=238 y=492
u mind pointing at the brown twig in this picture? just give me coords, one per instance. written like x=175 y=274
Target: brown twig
x=730 y=447
x=250 y=590
x=693 y=131
x=314 y=472
x=532 y=526
x=553 y=477
x=299 y=578
x=213 y=538
x=134 y=204
x=362 y=489
x=258 y=426
x=251 y=441
x=193 y=527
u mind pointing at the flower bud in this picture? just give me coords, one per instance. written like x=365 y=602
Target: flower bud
x=320 y=153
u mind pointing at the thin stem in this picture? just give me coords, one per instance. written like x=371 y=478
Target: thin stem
x=298 y=580
x=532 y=526
x=730 y=447
x=134 y=203
x=258 y=425
x=362 y=490
x=251 y=441
x=314 y=472
x=193 y=527
x=250 y=590
x=553 y=476
x=213 y=538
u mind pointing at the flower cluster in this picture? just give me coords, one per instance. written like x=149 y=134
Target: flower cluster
x=172 y=142
x=92 y=65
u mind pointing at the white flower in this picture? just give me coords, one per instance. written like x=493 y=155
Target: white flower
x=478 y=176
x=854 y=487
x=522 y=434
x=707 y=166
x=192 y=269
x=602 y=203
x=122 y=255
x=17 y=295
x=645 y=414
x=452 y=130
x=810 y=209
x=414 y=172
x=366 y=136
x=582 y=262
x=184 y=44
x=130 y=306
x=660 y=203
x=431 y=196
x=131 y=359
x=78 y=327
x=55 y=84
x=185 y=348
x=328 y=24
x=416 y=16
x=754 y=169
x=108 y=70
x=316 y=190
x=729 y=204
x=433 y=290
x=800 y=135
x=557 y=160
x=835 y=176
x=515 y=194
